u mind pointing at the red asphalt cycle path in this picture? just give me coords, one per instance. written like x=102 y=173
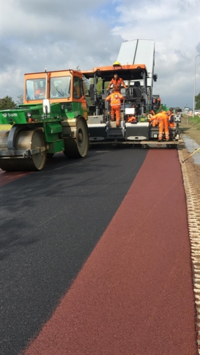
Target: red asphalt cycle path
x=6 y=178
x=134 y=293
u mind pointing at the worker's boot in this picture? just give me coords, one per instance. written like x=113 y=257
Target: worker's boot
x=167 y=136
x=117 y=123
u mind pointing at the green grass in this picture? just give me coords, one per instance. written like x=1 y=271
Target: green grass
x=194 y=120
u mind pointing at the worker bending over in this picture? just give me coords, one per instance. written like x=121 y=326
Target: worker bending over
x=117 y=82
x=161 y=119
x=115 y=102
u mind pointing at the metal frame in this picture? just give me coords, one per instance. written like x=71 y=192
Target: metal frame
x=21 y=153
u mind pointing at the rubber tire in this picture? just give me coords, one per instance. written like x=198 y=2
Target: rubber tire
x=78 y=147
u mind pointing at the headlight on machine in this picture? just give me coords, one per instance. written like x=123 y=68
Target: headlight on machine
x=28 y=117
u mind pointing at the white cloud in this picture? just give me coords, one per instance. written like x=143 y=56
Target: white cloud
x=65 y=34
x=175 y=27
x=55 y=35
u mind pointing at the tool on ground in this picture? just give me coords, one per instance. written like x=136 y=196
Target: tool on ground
x=196 y=150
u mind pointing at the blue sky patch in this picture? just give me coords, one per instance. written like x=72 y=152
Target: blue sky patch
x=108 y=13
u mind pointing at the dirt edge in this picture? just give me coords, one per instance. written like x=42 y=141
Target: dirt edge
x=191 y=181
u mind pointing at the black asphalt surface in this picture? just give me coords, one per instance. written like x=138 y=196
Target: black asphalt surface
x=49 y=224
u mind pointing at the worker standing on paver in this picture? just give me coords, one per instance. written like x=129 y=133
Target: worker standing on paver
x=115 y=100
x=156 y=103
x=159 y=102
x=117 y=82
x=161 y=119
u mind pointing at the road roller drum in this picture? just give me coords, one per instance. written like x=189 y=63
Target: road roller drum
x=28 y=153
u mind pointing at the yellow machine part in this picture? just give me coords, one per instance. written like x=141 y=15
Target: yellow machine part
x=5 y=127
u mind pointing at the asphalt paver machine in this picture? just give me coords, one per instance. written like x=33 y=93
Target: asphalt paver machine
x=100 y=126
x=136 y=62
x=136 y=105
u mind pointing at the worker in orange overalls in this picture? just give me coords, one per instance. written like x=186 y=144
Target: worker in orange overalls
x=115 y=102
x=131 y=119
x=39 y=92
x=117 y=82
x=161 y=119
x=157 y=103
x=170 y=114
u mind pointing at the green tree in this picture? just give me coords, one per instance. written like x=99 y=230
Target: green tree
x=99 y=85
x=197 y=101
x=7 y=103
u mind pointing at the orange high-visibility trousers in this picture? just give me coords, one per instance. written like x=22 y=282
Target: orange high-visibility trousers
x=161 y=119
x=115 y=110
x=163 y=125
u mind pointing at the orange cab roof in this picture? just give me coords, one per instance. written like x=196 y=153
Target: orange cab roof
x=127 y=72
x=58 y=72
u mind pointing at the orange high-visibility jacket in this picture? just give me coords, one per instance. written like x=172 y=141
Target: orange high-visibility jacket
x=171 y=119
x=115 y=99
x=117 y=84
x=132 y=119
x=159 y=116
x=39 y=91
x=170 y=115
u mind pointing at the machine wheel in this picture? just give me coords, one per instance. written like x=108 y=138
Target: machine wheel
x=78 y=147
x=27 y=140
x=50 y=155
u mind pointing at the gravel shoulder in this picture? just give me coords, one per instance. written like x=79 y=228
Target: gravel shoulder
x=191 y=181
x=193 y=130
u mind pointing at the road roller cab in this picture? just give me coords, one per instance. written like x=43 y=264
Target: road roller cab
x=30 y=132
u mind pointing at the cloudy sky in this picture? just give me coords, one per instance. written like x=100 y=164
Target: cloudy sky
x=62 y=34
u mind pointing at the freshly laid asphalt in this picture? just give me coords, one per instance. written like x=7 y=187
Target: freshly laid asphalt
x=134 y=293
x=50 y=222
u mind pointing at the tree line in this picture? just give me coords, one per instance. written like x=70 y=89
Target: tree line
x=8 y=103
x=197 y=101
